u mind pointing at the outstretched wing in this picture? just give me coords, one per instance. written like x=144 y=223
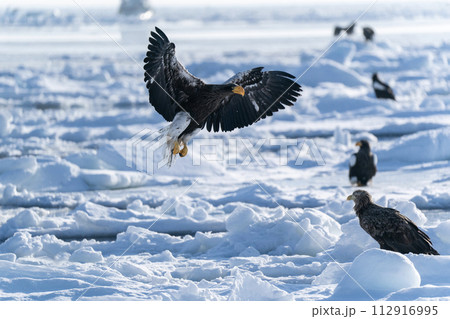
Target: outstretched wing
x=168 y=82
x=265 y=93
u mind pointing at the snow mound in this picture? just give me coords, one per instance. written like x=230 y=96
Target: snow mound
x=86 y=255
x=342 y=52
x=354 y=241
x=304 y=232
x=109 y=179
x=409 y=209
x=22 y=244
x=432 y=103
x=428 y=146
x=331 y=71
x=55 y=175
x=376 y=273
x=432 y=198
x=8 y=257
x=24 y=219
x=433 y=270
x=192 y=292
x=129 y=269
x=443 y=232
x=7 y=165
x=424 y=293
x=241 y=219
x=247 y=287
x=52 y=174
x=416 y=62
x=332 y=274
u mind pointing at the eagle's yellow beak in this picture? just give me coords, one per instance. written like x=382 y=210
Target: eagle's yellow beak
x=358 y=144
x=349 y=197
x=239 y=90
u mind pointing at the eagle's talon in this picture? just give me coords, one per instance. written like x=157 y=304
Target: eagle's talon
x=176 y=148
x=184 y=151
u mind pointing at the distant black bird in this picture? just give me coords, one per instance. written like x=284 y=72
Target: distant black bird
x=337 y=30
x=368 y=33
x=349 y=30
x=190 y=104
x=382 y=90
x=392 y=230
x=363 y=165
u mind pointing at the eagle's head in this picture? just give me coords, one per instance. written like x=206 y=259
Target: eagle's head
x=363 y=144
x=375 y=77
x=237 y=89
x=361 y=199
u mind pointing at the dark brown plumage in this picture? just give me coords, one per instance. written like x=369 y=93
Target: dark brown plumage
x=362 y=165
x=392 y=230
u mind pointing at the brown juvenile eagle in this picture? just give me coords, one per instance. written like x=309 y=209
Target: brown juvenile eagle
x=190 y=104
x=392 y=230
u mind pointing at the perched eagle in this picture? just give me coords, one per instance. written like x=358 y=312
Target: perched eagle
x=363 y=165
x=382 y=90
x=190 y=104
x=349 y=30
x=389 y=228
x=368 y=33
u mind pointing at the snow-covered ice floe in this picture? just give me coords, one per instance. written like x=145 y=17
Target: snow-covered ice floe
x=264 y=222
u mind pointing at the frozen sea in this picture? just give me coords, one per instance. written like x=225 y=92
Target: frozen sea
x=262 y=214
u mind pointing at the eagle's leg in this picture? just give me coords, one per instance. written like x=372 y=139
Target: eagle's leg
x=176 y=148
x=186 y=136
x=184 y=151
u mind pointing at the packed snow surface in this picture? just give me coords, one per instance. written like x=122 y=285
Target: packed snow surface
x=256 y=214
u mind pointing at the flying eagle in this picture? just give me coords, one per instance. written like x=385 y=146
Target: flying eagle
x=363 y=165
x=392 y=230
x=191 y=104
x=382 y=90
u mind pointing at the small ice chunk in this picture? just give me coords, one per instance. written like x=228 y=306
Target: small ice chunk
x=86 y=255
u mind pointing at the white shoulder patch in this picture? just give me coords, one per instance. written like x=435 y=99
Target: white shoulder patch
x=352 y=161
x=353 y=180
x=378 y=86
x=375 y=159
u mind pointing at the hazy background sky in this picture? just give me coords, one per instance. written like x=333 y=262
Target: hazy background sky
x=161 y=3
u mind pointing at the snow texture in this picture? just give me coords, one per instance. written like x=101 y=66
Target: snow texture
x=259 y=213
